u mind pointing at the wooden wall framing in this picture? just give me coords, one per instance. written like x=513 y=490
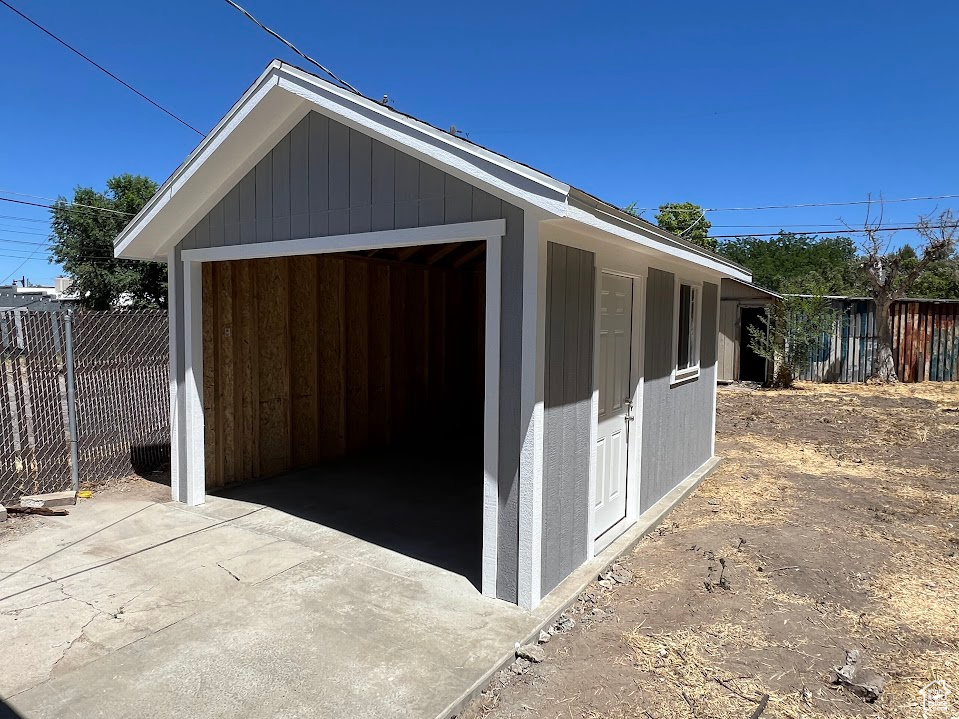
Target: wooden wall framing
x=312 y=357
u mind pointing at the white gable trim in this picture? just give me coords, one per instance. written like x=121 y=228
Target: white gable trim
x=269 y=109
x=433 y=235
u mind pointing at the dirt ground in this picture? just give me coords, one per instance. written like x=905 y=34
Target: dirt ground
x=833 y=524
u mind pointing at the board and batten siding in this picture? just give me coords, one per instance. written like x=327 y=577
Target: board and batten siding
x=324 y=178
x=677 y=421
x=568 y=385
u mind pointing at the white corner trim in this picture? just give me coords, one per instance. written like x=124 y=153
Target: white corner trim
x=531 y=413
x=437 y=234
x=193 y=434
x=494 y=254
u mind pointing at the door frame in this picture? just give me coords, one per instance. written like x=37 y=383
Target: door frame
x=634 y=438
x=185 y=302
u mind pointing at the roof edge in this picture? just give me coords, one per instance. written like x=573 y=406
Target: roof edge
x=612 y=215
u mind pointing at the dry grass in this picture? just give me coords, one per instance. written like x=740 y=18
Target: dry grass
x=862 y=482
x=691 y=683
x=942 y=393
x=921 y=590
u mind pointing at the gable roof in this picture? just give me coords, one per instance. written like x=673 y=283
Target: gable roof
x=284 y=93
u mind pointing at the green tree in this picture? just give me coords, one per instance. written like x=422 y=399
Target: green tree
x=687 y=220
x=791 y=329
x=800 y=263
x=940 y=280
x=84 y=245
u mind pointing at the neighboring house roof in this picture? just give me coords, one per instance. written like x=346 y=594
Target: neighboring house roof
x=280 y=97
x=752 y=290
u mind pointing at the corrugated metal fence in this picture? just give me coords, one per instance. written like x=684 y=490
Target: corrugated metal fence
x=925 y=342
x=116 y=381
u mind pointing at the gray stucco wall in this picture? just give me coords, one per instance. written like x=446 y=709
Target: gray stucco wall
x=323 y=179
x=570 y=317
x=677 y=421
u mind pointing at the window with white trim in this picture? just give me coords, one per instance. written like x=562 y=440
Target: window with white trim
x=687 y=311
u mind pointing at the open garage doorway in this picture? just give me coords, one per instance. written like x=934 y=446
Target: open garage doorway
x=348 y=389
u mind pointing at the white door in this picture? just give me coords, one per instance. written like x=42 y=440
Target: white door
x=615 y=408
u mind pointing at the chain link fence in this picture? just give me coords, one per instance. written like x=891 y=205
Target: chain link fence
x=84 y=398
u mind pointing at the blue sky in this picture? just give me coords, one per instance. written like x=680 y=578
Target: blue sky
x=722 y=104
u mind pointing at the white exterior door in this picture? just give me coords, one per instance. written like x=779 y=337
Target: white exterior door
x=615 y=407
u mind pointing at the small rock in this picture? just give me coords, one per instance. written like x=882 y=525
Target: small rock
x=620 y=574
x=520 y=666
x=3 y=513
x=531 y=653
x=544 y=637
x=606 y=583
x=712 y=502
x=860 y=681
x=563 y=624
x=598 y=613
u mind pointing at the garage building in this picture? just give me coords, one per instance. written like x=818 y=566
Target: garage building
x=430 y=344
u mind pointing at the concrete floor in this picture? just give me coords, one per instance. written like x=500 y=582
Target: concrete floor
x=325 y=593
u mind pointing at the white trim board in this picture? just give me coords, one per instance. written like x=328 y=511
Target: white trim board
x=434 y=235
x=188 y=471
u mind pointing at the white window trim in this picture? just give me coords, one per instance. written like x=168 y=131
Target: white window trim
x=690 y=373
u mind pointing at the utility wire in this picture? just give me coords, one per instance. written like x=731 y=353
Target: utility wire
x=57 y=199
x=292 y=47
x=69 y=205
x=810 y=204
x=828 y=232
x=17 y=268
x=18 y=230
x=21 y=218
x=100 y=67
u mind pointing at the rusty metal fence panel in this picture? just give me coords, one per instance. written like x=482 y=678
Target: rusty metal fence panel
x=925 y=342
x=116 y=380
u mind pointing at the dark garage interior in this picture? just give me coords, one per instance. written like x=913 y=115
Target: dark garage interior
x=347 y=389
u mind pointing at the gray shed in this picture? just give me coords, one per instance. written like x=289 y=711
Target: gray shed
x=530 y=370
x=742 y=305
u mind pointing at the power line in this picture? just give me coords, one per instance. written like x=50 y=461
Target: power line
x=100 y=67
x=807 y=224
x=17 y=268
x=57 y=199
x=68 y=205
x=18 y=230
x=24 y=242
x=290 y=45
x=812 y=204
x=21 y=218
x=829 y=232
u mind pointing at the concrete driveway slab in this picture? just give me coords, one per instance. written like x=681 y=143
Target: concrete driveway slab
x=132 y=608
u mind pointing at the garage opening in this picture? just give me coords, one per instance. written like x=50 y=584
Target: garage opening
x=348 y=389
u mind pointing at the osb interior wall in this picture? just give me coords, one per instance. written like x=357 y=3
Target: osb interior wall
x=310 y=358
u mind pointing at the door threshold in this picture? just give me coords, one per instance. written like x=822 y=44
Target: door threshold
x=611 y=534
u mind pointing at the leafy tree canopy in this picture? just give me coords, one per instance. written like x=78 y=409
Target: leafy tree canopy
x=688 y=221
x=84 y=245
x=799 y=263
x=939 y=280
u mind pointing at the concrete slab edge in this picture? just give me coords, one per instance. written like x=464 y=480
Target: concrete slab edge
x=575 y=584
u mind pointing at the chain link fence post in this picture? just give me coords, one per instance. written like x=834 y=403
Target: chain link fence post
x=71 y=400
